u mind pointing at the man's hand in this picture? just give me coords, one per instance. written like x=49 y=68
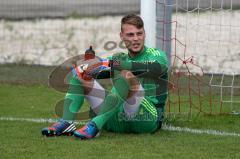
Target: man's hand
x=79 y=70
x=93 y=68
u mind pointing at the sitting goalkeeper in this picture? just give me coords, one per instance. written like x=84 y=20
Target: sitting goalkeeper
x=136 y=102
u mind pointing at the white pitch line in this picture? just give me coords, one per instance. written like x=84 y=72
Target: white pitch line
x=36 y=120
x=164 y=127
x=199 y=131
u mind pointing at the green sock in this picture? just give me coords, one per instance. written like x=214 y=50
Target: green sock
x=112 y=102
x=73 y=100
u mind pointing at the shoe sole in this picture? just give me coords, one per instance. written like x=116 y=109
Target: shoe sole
x=85 y=138
x=53 y=134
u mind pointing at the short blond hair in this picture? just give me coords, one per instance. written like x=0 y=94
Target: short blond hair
x=132 y=19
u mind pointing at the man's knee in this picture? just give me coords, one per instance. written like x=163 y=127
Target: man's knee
x=127 y=74
x=132 y=80
x=130 y=77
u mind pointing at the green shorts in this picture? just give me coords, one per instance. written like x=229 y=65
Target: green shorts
x=144 y=121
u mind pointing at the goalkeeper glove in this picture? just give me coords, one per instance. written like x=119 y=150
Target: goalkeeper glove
x=98 y=70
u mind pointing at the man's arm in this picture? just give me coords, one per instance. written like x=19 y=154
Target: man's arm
x=148 y=68
x=156 y=66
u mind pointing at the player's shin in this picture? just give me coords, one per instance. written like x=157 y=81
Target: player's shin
x=112 y=101
x=73 y=100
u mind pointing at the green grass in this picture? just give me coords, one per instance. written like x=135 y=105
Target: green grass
x=24 y=74
x=25 y=94
x=23 y=139
x=27 y=142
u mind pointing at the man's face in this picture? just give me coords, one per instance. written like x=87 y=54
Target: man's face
x=133 y=38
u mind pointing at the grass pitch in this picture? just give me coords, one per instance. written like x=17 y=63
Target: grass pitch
x=21 y=139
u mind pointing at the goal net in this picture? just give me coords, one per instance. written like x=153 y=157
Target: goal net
x=202 y=39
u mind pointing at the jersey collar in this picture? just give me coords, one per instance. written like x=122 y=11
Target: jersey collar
x=139 y=54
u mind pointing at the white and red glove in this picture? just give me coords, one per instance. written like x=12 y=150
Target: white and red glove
x=92 y=69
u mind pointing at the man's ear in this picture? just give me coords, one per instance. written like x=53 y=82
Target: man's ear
x=144 y=32
x=121 y=35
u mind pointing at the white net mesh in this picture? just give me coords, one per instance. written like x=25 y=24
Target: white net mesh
x=205 y=40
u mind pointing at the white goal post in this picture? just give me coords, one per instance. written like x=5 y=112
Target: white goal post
x=157 y=18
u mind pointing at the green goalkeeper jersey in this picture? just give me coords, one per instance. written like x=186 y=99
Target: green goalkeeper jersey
x=151 y=68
